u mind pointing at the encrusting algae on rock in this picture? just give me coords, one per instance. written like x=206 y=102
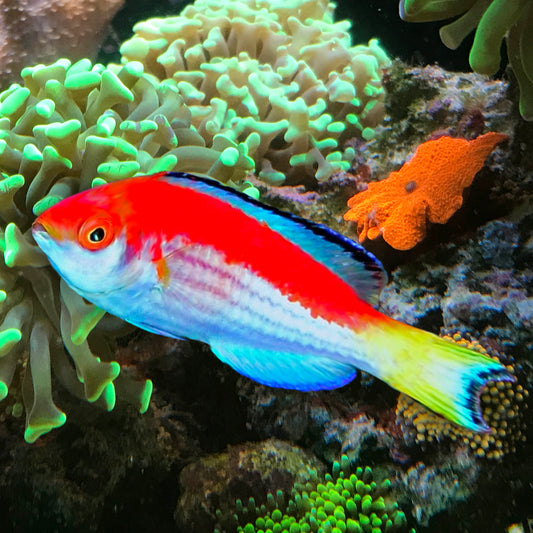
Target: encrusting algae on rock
x=428 y=188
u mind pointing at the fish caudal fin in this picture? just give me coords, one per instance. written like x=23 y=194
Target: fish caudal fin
x=445 y=377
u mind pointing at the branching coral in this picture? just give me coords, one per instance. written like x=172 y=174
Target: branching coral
x=343 y=501
x=43 y=30
x=494 y=20
x=67 y=127
x=502 y=404
x=280 y=75
x=429 y=187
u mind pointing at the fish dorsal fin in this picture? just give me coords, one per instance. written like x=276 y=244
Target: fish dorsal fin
x=347 y=259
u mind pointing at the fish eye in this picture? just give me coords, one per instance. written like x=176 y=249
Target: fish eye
x=96 y=233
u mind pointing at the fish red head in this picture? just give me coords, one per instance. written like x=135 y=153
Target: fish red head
x=88 y=237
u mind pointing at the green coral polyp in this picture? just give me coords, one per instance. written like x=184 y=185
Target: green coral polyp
x=70 y=127
x=284 y=71
x=342 y=502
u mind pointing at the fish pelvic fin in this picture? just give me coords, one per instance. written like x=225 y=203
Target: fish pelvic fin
x=445 y=377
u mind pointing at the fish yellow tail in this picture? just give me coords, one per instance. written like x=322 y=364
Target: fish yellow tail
x=445 y=377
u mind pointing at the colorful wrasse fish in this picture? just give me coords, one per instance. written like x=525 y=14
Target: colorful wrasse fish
x=282 y=300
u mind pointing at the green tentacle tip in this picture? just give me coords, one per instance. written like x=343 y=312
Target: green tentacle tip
x=252 y=191
x=83 y=65
x=135 y=68
x=124 y=150
x=86 y=325
x=11 y=184
x=229 y=156
x=142 y=128
x=18 y=251
x=164 y=164
x=14 y=101
x=368 y=134
x=12 y=246
x=98 y=382
x=112 y=84
x=399 y=519
x=82 y=80
x=146 y=394
x=100 y=142
x=58 y=130
x=97 y=182
x=42 y=205
x=4 y=389
x=45 y=108
x=8 y=338
x=34 y=430
x=3 y=296
x=116 y=170
x=32 y=153
x=109 y=397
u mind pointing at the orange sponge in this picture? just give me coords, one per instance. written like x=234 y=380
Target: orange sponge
x=429 y=187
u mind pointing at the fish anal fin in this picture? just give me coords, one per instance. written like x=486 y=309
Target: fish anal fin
x=278 y=368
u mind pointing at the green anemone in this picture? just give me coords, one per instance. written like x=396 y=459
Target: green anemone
x=66 y=128
x=492 y=20
x=345 y=501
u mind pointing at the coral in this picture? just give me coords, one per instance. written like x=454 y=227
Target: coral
x=429 y=187
x=35 y=31
x=342 y=501
x=501 y=402
x=281 y=76
x=70 y=126
x=423 y=101
x=494 y=20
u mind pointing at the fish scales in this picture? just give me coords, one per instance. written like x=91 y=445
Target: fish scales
x=217 y=299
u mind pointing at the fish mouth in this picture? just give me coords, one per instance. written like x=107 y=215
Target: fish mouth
x=40 y=229
x=39 y=233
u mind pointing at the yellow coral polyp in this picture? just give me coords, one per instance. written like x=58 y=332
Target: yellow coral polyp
x=281 y=76
x=501 y=404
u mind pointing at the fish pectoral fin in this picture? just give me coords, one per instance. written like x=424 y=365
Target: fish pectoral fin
x=166 y=265
x=283 y=369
